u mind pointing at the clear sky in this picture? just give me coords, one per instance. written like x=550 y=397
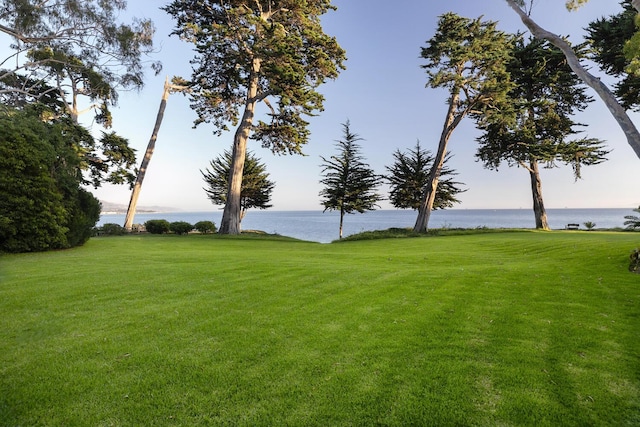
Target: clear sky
x=382 y=92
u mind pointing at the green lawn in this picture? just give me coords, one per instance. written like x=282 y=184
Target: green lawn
x=499 y=329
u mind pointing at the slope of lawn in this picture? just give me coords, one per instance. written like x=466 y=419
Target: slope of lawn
x=513 y=328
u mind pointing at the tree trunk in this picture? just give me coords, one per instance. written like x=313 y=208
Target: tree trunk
x=536 y=191
x=341 y=221
x=424 y=211
x=135 y=192
x=232 y=214
x=618 y=112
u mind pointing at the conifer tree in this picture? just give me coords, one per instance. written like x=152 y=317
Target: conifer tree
x=468 y=58
x=409 y=175
x=350 y=184
x=532 y=127
x=270 y=51
x=256 y=187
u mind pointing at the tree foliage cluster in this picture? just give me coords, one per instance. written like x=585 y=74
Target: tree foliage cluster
x=256 y=189
x=65 y=54
x=608 y=38
x=42 y=203
x=273 y=52
x=46 y=165
x=64 y=49
x=350 y=185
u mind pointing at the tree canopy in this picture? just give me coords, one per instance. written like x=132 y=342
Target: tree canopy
x=468 y=58
x=617 y=111
x=270 y=51
x=608 y=38
x=74 y=49
x=533 y=125
x=42 y=205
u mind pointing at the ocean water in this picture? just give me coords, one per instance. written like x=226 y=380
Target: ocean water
x=323 y=227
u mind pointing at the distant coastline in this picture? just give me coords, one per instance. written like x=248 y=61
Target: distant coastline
x=321 y=226
x=109 y=208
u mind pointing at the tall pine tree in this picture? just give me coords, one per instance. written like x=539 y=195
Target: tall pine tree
x=269 y=51
x=350 y=184
x=468 y=58
x=531 y=129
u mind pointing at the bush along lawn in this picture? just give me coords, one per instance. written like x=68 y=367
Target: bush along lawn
x=513 y=328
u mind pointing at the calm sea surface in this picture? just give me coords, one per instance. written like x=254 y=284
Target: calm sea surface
x=323 y=227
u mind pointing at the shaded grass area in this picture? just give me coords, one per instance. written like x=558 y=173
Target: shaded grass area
x=512 y=328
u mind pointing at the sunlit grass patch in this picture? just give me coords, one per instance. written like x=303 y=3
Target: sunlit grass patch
x=512 y=328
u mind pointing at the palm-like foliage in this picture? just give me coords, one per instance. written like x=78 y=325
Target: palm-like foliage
x=633 y=222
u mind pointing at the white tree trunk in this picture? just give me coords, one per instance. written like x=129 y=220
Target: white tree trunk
x=618 y=112
x=135 y=192
x=232 y=214
x=451 y=121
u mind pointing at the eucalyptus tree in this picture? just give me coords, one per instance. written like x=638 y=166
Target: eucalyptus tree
x=75 y=49
x=603 y=91
x=151 y=145
x=468 y=58
x=608 y=38
x=532 y=127
x=408 y=177
x=349 y=183
x=270 y=51
x=256 y=189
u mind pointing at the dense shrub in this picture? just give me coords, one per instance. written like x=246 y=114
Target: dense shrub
x=157 y=226
x=84 y=210
x=111 y=229
x=180 y=227
x=35 y=186
x=205 y=227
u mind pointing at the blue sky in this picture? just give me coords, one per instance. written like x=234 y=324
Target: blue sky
x=382 y=92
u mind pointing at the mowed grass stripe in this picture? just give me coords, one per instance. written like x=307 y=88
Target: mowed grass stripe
x=519 y=328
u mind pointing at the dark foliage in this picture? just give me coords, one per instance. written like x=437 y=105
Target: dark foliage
x=256 y=187
x=205 y=227
x=349 y=183
x=607 y=37
x=42 y=205
x=180 y=227
x=157 y=226
x=111 y=229
x=409 y=176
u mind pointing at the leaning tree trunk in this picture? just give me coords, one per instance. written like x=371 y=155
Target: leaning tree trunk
x=135 y=192
x=429 y=196
x=536 y=191
x=341 y=221
x=232 y=214
x=618 y=112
